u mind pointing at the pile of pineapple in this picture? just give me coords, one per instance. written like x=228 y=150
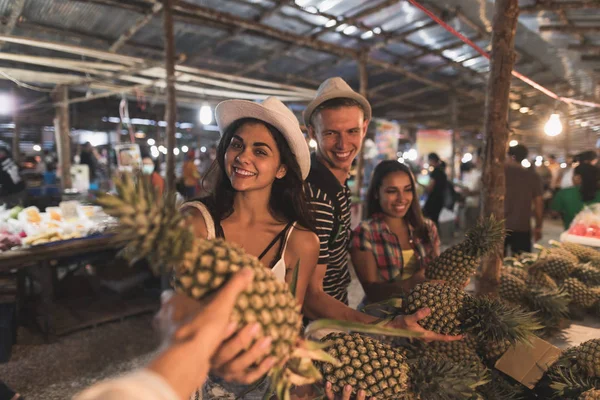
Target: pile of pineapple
x=457 y=370
x=557 y=282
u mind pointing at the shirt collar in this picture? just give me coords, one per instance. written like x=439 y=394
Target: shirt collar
x=321 y=168
x=379 y=217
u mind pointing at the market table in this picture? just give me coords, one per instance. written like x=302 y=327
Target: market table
x=41 y=263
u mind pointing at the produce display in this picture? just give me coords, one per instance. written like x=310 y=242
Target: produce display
x=585 y=228
x=30 y=227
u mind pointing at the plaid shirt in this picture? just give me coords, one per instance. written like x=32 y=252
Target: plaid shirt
x=375 y=235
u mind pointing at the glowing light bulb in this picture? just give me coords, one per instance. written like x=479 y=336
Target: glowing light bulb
x=553 y=127
x=184 y=149
x=151 y=142
x=467 y=157
x=37 y=147
x=526 y=163
x=513 y=143
x=205 y=115
x=312 y=143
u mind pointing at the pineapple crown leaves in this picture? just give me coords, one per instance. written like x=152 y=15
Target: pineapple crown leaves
x=152 y=224
x=494 y=320
x=569 y=383
x=444 y=380
x=549 y=303
x=484 y=237
x=501 y=387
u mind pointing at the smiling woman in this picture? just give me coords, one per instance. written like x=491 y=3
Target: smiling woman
x=258 y=203
x=392 y=248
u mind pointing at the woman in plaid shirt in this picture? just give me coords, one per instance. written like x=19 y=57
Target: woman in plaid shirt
x=392 y=248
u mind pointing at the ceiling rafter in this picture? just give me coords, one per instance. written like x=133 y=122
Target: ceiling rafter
x=137 y=25
x=563 y=5
x=15 y=13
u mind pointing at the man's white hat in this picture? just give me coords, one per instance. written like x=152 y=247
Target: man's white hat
x=271 y=111
x=334 y=88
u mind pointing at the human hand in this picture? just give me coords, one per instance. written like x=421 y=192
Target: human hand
x=192 y=332
x=411 y=323
x=345 y=395
x=537 y=234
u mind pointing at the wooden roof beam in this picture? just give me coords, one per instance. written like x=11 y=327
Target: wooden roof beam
x=404 y=96
x=557 y=6
x=589 y=48
x=139 y=24
x=570 y=29
x=16 y=10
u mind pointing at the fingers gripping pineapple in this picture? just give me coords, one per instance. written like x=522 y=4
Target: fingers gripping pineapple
x=156 y=230
x=456 y=264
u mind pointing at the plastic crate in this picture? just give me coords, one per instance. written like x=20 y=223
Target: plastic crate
x=8 y=330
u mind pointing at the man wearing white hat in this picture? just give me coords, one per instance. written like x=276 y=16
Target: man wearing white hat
x=337 y=119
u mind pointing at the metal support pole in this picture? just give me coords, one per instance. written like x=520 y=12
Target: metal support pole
x=16 y=140
x=363 y=83
x=496 y=126
x=171 y=106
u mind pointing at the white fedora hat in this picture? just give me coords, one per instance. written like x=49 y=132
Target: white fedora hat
x=271 y=111
x=335 y=88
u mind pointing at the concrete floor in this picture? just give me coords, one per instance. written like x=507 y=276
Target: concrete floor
x=59 y=370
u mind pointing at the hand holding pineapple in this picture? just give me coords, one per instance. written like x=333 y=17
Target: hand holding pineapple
x=192 y=332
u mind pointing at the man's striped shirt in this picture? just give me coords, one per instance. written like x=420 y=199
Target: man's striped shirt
x=337 y=277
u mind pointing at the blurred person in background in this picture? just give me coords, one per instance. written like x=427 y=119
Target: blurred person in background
x=586 y=157
x=149 y=168
x=88 y=157
x=191 y=176
x=570 y=201
x=470 y=190
x=523 y=188
x=12 y=185
x=435 y=189
x=555 y=172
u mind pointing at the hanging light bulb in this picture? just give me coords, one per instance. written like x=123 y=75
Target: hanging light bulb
x=205 y=115
x=553 y=127
x=513 y=143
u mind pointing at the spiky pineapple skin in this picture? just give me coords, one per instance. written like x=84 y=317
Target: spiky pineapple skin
x=588 y=357
x=581 y=295
x=583 y=253
x=445 y=302
x=267 y=301
x=511 y=288
x=491 y=350
x=556 y=267
x=366 y=364
x=587 y=274
x=456 y=264
x=520 y=273
x=540 y=279
x=459 y=352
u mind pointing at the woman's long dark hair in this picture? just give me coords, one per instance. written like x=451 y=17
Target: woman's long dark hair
x=589 y=181
x=413 y=216
x=287 y=201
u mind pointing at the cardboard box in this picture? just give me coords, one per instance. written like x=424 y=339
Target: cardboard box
x=527 y=363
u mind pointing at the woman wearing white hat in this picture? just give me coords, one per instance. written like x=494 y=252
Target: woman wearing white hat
x=258 y=202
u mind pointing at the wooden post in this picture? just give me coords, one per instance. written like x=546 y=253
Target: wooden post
x=496 y=126
x=16 y=140
x=363 y=83
x=567 y=131
x=454 y=119
x=171 y=106
x=62 y=132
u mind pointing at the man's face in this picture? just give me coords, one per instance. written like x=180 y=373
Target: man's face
x=339 y=133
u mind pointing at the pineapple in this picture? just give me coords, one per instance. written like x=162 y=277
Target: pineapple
x=581 y=295
x=563 y=382
x=454 y=312
x=444 y=380
x=557 y=268
x=459 y=352
x=583 y=253
x=592 y=394
x=456 y=264
x=156 y=230
x=540 y=279
x=367 y=364
x=559 y=252
x=516 y=271
x=492 y=350
x=511 y=288
x=500 y=387
x=587 y=274
x=588 y=357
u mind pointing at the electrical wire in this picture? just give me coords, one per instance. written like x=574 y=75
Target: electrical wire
x=485 y=54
